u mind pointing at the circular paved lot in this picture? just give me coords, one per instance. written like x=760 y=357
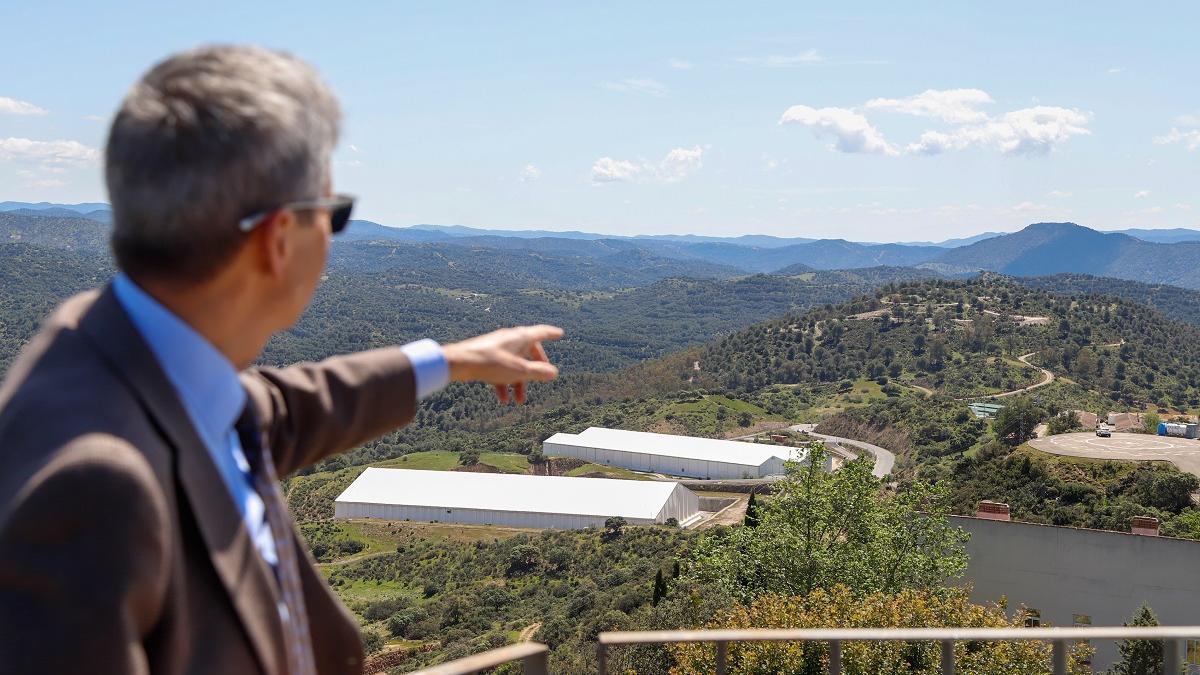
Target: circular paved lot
x=1182 y=452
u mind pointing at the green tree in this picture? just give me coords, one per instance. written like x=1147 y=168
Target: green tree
x=1150 y=423
x=823 y=529
x=468 y=457
x=1016 y=421
x=660 y=588
x=1140 y=657
x=372 y=641
x=1063 y=422
x=523 y=559
x=745 y=418
x=840 y=607
x=555 y=631
x=751 y=519
x=614 y=526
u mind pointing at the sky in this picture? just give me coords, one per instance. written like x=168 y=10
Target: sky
x=872 y=122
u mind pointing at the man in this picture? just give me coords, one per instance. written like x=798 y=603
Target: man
x=141 y=525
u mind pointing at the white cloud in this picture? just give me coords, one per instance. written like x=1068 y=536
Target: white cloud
x=1141 y=194
x=1025 y=207
x=677 y=165
x=530 y=173
x=1190 y=138
x=1029 y=131
x=956 y=106
x=680 y=163
x=48 y=153
x=12 y=106
x=1058 y=193
x=609 y=170
x=1188 y=120
x=850 y=131
x=1115 y=70
x=93 y=118
x=679 y=64
x=804 y=58
x=638 y=85
x=1183 y=207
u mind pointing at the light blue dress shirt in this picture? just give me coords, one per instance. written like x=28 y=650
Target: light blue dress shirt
x=212 y=394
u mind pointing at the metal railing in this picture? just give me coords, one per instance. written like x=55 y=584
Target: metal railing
x=1061 y=639
x=532 y=655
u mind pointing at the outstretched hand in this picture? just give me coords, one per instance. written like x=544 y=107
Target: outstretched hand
x=505 y=358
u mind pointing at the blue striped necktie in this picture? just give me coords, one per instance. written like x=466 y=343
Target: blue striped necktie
x=300 y=659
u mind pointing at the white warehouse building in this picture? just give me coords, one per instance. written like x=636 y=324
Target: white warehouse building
x=673 y=455
x=544 y=502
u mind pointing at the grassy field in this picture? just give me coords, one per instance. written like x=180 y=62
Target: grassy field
x=713 y=415
x=612 y=471
x=446 y=460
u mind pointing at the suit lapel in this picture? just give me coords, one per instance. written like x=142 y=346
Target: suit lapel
x=245 y=575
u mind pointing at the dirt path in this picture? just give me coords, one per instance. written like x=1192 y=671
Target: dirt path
x=1047 y=378
x=529 y=631
x=912 y=385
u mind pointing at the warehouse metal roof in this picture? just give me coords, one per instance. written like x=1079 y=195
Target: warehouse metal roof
x=510 y=492
x=688 y=447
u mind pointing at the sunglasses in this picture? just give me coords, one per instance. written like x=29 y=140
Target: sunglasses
x=339 y=208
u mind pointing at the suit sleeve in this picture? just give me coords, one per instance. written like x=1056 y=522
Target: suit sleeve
x=83 y=563
x=314 y=410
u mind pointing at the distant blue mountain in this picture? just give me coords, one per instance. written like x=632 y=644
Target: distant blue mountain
x=86 y=207
x=1164 y=236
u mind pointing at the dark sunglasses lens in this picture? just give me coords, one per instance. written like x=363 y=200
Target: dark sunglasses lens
x=340 y=217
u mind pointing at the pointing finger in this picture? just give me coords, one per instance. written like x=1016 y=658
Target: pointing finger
x=543 y=332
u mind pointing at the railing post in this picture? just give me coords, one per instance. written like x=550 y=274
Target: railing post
x=602 y=658
x=537 y=664
x=1060 y=657
x=835 y=657
x=1171 y=657
x=722 y=654
x=947 y=657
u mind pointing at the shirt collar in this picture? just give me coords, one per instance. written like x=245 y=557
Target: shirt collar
x=205 y=379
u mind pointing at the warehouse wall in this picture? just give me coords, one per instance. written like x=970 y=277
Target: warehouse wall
x=673 y=466
x=680 y=506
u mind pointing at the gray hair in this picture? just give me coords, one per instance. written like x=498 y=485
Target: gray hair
x=204 y=139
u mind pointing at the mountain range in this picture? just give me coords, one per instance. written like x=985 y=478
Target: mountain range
x=585 y=260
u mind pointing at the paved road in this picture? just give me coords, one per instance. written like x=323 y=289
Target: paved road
x=1182 y=452
x=884 y=459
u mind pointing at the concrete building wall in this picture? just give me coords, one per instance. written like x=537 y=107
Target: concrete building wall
x=1063 y=572
x=672 y=466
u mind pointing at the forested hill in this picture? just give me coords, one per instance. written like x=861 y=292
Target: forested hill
x=1053 y=248
x=449 y=298
x=965 y=339
x=1181 y=304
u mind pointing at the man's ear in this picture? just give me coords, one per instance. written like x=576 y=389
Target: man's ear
x=272 y=239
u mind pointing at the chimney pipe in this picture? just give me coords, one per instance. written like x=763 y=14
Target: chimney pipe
x=1144 y=525
x=989 y=510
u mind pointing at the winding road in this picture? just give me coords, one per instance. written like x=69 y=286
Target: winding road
x=885 y=459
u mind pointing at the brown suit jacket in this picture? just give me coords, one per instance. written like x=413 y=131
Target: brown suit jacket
x=121 y=550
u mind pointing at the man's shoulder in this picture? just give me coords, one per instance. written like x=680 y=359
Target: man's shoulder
x=60 y=390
